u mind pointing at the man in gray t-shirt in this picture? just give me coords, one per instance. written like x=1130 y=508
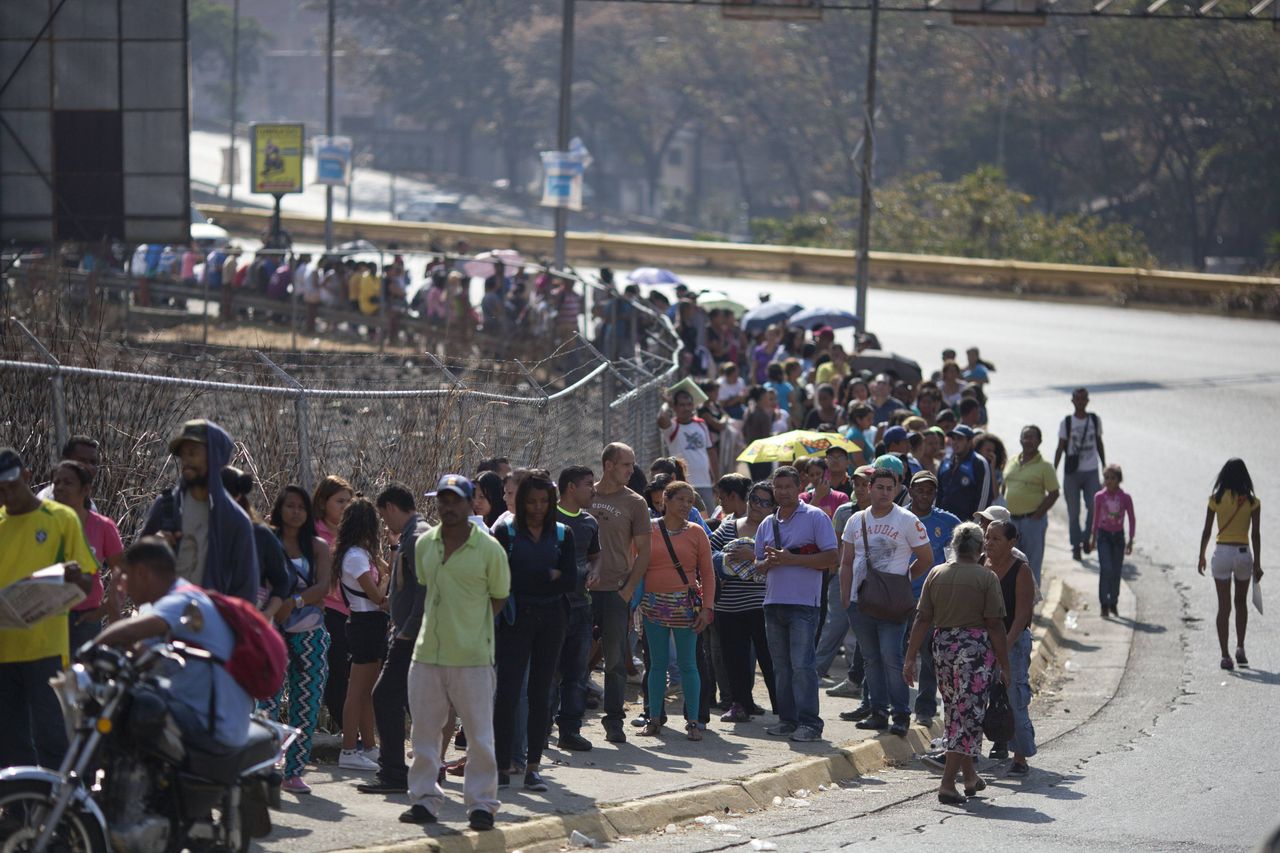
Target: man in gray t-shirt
x=577 y=488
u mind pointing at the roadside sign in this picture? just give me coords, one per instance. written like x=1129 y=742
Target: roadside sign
x=333 y=160
x=276 y=155
x=563 y=175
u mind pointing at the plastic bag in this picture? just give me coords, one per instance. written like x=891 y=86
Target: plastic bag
x=997 y=723
x=1257 y=597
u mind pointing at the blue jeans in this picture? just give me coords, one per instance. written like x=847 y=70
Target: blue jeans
x=790 y=629
x=881 y=644
x=834 y=631
x=570 y=692
x=1110 y=562
x=1031 y=540
x=1024 y=733
x=927 y=696
x=1082 y=485
x=32 y=732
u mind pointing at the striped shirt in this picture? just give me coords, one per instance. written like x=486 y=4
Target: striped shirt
x=734 y=595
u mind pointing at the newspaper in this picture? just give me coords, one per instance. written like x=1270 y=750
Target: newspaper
x=43 y=594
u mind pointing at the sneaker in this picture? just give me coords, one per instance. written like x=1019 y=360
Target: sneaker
x=641 y=721
x=999 y=751
x=573 y=742
x=613 y=732
x=295 y=785
x=417 y=814
x=806 y=734
x=756 y=711
x=780 y=730
x=504 y=780
x=875 y=722
x=937 y=760
x=925 y=720
x=901 y=723
x=349 y=759
x=735 y=714
x=373 y=754
x=846 y=690
x=857 y=714
x=377 y=786
x=533 y=781
x=1075 y=553
x=480 y=820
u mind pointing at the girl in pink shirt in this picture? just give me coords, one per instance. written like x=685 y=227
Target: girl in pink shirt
x=328 y=502
x=1110 y=507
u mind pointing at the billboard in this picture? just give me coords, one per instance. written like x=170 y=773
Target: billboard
x=276 y=155
x=333 y=160
x=94 y=142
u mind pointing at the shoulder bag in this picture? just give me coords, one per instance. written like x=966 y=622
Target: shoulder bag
x=672 y=609
x=883 y=595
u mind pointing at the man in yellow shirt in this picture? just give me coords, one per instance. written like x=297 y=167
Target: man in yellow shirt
x=34 y=534
x=368 y=290
x=1030 y=488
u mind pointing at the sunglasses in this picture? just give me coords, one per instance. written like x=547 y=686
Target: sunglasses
x=761 y=501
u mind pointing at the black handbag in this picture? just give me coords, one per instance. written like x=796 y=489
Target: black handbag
x=997 y=722
x=884 y=595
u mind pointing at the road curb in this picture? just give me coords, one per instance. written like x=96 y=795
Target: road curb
x=843 y=763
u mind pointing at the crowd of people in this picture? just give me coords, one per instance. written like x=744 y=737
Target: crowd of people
x=913 y=544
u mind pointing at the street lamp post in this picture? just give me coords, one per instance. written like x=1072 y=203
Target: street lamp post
x=562 y=131
x=235 y=73
x=328 y=126
x=863 y=263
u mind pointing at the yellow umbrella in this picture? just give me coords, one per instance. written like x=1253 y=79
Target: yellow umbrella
x=789 y=446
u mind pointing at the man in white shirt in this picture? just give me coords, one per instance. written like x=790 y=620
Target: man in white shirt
x=1080 y=442
x=689 y=438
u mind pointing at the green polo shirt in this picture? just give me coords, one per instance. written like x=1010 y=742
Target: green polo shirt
x=457 y=620
x=1026 y=484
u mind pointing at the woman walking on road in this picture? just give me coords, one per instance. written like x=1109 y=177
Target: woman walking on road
x=1018 y=589
x=1237 y=510
x=961 y=604
x=1110 y=506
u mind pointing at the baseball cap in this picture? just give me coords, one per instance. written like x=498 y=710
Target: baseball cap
x=994 y=513
x=895 y=433
x=866 y=472
x=455 y=483
x=197 y=431
x=961 y=431
x=937 y=429
x=923 y=477
x=10 y=465
x=891 y=463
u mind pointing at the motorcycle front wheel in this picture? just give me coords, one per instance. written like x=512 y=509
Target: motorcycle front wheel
x=22 y=805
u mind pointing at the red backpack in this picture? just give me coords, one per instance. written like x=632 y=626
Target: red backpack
x=259 y=658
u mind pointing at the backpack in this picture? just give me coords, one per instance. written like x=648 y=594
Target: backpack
x=259 y=658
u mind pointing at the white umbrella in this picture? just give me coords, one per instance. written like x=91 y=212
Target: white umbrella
x=483 y=264
x=710 y=300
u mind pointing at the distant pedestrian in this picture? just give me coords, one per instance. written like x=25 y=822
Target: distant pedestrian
x=1110 y=507
x=1080 y=443
x=1237 y=510
x=961 y=612
x=1031 y=489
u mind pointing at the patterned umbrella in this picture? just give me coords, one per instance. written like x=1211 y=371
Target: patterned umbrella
x=790 y=446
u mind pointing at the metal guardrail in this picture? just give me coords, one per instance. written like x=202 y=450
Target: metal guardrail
x=785 y=261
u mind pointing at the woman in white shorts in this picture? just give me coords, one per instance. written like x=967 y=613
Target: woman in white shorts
x=1236 y=509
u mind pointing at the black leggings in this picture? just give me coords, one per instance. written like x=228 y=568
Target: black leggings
x=335 y=689
x=739 y=633
x=534 y=643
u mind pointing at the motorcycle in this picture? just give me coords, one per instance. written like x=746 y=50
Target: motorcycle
x=129 y=782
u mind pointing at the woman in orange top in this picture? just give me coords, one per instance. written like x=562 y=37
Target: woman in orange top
x=666 y=607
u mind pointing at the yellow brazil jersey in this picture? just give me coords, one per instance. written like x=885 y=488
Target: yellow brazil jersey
x=30 y=542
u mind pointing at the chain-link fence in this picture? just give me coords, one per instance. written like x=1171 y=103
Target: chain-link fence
x=296 y=417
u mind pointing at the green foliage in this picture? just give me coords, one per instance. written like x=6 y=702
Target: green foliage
x=210 y=25
x=978 y=216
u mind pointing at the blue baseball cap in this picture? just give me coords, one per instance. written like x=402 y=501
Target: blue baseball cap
x=455 y=483
x=961 y=431
x=895 y=433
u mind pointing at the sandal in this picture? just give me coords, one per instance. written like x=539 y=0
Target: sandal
x=692 y=731
x=951 y=798
x=1240 y=658
x=653 y=728
x=980 y=785
x=1227 y=664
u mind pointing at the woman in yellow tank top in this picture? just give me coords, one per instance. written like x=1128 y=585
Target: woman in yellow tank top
x=1236 y=509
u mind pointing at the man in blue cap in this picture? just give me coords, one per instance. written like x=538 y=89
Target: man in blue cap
x=964 y=478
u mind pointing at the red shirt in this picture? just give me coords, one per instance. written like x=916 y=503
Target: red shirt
x=829 y=504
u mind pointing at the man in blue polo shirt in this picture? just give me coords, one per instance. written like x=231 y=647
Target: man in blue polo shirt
x=964 y=478
x=939 y=524
x=795 y=549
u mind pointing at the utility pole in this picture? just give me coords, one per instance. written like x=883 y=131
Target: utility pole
x=562 y=133
x=235 y=73
x=328 y=126
x=863 y=269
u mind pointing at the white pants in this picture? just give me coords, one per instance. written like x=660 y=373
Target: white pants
x=433 y=692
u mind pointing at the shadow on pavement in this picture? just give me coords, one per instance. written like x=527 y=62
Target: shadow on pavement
x=1257 y=676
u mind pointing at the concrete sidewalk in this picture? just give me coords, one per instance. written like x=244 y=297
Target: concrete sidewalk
x=627 y=789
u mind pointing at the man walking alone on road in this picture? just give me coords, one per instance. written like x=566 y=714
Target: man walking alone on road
x=466 y=570
x=1080 y=441
x=1030 y=488
x=623 y=517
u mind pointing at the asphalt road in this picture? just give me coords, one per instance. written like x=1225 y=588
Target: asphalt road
x=1182 y=757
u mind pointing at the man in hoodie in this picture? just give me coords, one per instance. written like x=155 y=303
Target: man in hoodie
x=211 y=535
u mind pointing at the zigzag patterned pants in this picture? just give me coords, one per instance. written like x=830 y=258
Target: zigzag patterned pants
x=304 y=685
